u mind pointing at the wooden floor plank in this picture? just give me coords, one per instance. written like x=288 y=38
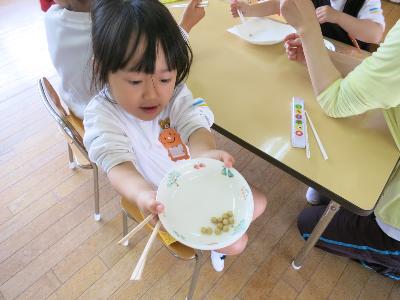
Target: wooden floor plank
x=42 y=288
x=53 y=255
x=351 y=283
x=324 y=278
x=81 y=280
x=377 y=287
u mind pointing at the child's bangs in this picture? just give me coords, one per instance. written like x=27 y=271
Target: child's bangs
x=127 y=34
x=142 y=54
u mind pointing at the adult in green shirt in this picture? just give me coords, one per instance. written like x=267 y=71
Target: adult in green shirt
x=374 y=84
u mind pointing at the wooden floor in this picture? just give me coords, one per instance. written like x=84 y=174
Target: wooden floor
x=50 y=246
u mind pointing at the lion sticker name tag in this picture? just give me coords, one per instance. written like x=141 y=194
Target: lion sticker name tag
x=172 y=142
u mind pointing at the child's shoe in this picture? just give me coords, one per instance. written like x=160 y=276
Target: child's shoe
x=313 y=197
x=218 y=261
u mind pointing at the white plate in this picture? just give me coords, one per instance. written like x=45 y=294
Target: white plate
x=192 y=196
x=263 y=31
x=329 y=45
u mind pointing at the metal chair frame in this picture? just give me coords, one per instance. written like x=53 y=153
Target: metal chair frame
x=52 y=102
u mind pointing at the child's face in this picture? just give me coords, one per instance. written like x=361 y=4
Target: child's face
x=143 y=95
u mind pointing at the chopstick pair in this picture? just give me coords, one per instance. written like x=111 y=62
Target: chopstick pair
x=184 y=5
x=320 y=145
x=136 y=229
x=137 y=272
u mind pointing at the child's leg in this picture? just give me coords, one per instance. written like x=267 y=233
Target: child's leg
x=260 y=202
x=217 y=257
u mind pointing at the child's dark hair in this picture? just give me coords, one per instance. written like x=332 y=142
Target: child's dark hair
x=119 y=27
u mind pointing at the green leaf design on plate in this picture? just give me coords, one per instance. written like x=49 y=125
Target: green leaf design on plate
x=173 y=178
x=224 y=171
x=230 y=174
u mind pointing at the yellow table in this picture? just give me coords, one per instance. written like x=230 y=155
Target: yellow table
x=250 y=88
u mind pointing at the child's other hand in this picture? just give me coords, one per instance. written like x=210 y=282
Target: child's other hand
x=243 y=6
x=294 y=48
x=327 y=14
x=192 y=15
x=221 y=155
x=147 y=203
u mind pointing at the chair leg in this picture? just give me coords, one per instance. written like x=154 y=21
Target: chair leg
x=195 y=275
x=125 y=226
x=97 y=216
x=72 y=163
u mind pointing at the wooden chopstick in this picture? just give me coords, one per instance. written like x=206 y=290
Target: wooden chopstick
x=308 y=152
x=137 y=228
x=321 y=147
x=137 y=272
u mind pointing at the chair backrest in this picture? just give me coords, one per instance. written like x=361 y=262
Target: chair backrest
x=70 y=125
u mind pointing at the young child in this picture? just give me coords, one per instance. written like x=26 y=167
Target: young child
x=340 y=19
x=140 y=63
x=68 y=27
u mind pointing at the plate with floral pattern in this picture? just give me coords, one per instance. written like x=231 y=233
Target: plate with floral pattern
x=207 y=206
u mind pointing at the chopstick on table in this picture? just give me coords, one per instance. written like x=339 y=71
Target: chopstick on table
x=308 y=152
x=321 y=147
x=136 y=229
x=137 y=272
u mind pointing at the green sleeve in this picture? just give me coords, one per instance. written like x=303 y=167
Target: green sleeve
x=375 y=83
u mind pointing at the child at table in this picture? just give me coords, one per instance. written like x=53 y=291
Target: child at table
x=140 y=64
x=341 y=20
x=68 y=27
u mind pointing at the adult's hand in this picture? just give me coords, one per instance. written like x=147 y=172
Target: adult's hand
x=300 y=14
x=294 y=48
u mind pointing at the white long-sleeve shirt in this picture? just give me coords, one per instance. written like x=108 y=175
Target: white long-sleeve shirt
x=70 y=47
x=112 y=136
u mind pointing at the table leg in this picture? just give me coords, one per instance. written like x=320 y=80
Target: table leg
x=323 y=222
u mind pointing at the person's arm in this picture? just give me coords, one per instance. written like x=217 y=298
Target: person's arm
x=202 y=144
x=361 y=29
x=110 y=149
x=131 y=185
x=262 y=9
x=301 y=15
x=191 y=16
x=193 y=120
x=373 y=84
x=343 y=62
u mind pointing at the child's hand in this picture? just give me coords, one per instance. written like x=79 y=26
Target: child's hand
x=242 y=6
x=219 y=155
x=192 y=15
x=294 y=48
x=327 y=14
x=146 y=201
